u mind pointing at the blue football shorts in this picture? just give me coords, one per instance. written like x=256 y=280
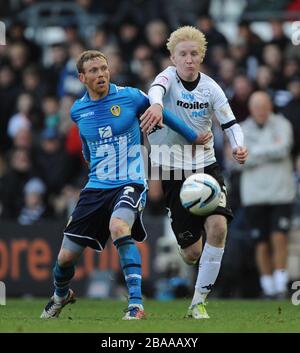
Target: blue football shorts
x=89 y=222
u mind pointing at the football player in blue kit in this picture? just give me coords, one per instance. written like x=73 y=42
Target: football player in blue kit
x=113 y=199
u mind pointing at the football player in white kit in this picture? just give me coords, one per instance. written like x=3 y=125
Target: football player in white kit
x=195 y=98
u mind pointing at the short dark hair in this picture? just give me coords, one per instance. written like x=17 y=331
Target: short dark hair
x=86 y=56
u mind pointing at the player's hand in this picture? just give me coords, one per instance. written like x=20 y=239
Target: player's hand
x=152 y=116
x=240 y=154
x=202 y=139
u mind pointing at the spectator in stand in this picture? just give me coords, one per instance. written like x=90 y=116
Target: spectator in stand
x=239 y=52
x=264 y=80
x=218 y=54
x=65 y=122
x=32 y=82
x=18 y=55
x=253 y=42
x=119 y=72
x=278 y=36
x=214 y=37
x=71 y=32
x=34 y=208
x=22 y=118
x=242 y=88
x=8 y=95
x=52 y=162
x=57 y=54
x=291 y=69
x=68 y=82
x=50 y=108
x=272 y=57
x=13 y=181
x=147 y=74
x=156 y=36
x=292 y=112
x=23 y=139
x=99 y=38
x=129 y=36
x=16 y=33
x=141 y=52
x=225 y=76
x=184 y=12
x=166 y=61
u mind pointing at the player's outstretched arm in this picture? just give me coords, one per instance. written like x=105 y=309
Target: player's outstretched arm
x=184 y=130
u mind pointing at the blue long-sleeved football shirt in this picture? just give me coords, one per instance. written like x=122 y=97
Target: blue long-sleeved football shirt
x=111 y=135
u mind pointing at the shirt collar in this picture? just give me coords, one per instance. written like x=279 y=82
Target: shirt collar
x=112 y=90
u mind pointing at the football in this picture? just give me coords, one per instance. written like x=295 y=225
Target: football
x=200 y=194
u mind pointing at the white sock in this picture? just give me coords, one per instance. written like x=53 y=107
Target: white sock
x=209 y=267
x=267 y=284
x=280 y=278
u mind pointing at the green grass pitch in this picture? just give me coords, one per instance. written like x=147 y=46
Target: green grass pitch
x=103 y=316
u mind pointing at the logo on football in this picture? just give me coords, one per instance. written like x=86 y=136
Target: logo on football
x=200 y=194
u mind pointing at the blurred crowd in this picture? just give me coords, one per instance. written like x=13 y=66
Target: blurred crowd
x=41 y=165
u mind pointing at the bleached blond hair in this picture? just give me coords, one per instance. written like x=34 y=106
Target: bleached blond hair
x=187 y=33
